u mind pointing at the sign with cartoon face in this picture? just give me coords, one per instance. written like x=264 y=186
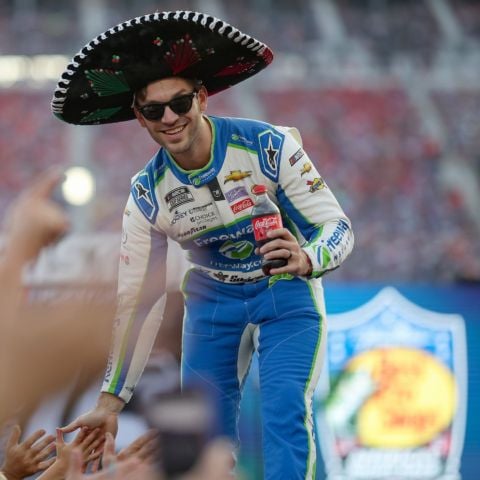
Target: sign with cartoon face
x=392 y=399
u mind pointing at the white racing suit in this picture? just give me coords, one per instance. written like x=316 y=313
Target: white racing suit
x=231 y=307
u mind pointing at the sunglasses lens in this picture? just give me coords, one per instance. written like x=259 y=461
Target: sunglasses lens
x=154 y=111
x=181 y=105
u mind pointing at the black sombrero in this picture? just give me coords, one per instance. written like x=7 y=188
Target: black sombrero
x=98 y=84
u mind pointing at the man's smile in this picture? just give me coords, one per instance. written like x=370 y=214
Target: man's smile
x=174 y=131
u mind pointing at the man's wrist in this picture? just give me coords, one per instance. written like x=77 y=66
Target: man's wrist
x=110 y=402
x=308 y=262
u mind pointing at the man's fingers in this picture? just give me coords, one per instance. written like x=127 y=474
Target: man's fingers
x=280 y=233
x=14 y=436
x=71 y=427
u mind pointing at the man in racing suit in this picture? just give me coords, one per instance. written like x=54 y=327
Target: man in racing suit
x=197 y=191
x=203 y=201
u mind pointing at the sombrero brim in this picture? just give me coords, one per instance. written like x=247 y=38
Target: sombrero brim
x=98 y=84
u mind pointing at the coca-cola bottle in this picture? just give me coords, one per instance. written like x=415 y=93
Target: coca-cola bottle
x=265 y=216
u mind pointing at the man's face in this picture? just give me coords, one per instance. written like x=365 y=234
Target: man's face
x=177 y=132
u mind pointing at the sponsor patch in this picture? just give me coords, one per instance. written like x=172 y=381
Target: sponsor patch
x=316 y=184
x=222 y=236
x=270 y=147
x=220 y=276
x=296 y=156
x=191 y=232
x=177 y=216
x=242 y=205
x=142 y=194
x=307 y=167
x=215 y=190
x=236 y=193
x=204 y=218
x=238 y=138
x=201 y=208
x=236 y=175
x=336 y=237
x=177 y=197
x=198 y=179
x=237 y=250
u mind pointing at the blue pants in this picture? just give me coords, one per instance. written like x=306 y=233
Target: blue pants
x=285 y=322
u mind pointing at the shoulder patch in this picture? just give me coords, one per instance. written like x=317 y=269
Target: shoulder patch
x=142 y=192
x=270 y=148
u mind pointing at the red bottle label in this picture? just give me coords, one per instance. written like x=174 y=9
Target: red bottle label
x=261 y=225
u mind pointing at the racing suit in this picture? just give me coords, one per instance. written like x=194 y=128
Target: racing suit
x=230 y=306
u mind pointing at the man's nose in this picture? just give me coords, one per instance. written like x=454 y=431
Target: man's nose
x=169 y=116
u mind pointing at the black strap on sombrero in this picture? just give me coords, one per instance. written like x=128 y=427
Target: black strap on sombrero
x=98 y=84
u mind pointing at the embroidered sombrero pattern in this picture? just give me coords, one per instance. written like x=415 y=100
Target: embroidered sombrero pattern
x=98 y=84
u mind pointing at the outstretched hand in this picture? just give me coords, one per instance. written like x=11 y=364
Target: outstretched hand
x=144 y=447
x=101 y=422
x=130 y=469
x=26 y=458
x=97 y=418
x=103 y=418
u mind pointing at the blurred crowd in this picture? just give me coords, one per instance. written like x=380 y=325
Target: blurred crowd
x=368 y=143
x=381 y=26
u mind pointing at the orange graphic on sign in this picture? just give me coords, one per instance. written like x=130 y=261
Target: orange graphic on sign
x=415 y=398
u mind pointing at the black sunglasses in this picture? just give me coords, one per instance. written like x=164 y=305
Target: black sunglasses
x=179 y=105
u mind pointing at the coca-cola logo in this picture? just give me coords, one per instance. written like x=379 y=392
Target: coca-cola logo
x=242 y=205
x=267 y=223
x=262 y=225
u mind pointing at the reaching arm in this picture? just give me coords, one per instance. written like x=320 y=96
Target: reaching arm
x=141 y=301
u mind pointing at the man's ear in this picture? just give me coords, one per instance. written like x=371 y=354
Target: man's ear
x=202 y=98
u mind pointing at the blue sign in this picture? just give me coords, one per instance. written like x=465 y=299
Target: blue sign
x=428 y=335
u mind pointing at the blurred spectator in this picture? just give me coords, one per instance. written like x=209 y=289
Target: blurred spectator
x=468 y=13
x=33 y=222
x=390 y=28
